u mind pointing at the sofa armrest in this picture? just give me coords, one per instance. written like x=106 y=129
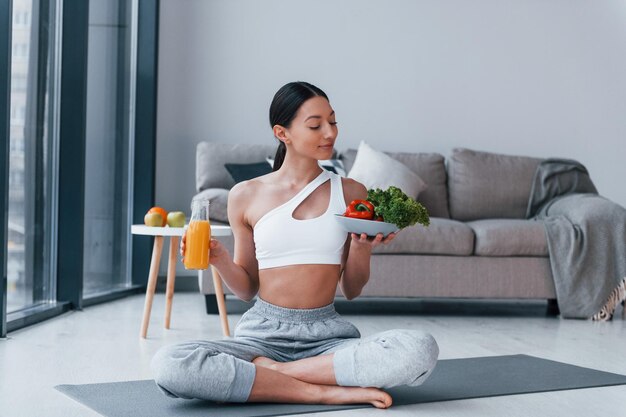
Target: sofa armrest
x=218 y=199
x=211 y=157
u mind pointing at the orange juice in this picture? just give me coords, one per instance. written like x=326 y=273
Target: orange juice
x=197 y=244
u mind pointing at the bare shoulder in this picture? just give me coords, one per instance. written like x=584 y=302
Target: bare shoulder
x=241 y=192
x=353 y=190
x=246 y=190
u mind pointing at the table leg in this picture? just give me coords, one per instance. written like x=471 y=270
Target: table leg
x=221 y=305
x=171 y=278
x=152 y=280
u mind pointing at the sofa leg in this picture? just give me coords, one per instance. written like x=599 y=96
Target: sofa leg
x=211 y=304
x=553 y=307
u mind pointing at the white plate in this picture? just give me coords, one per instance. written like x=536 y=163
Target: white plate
x=369 y=227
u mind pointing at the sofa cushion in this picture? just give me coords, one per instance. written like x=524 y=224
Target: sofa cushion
x=211 y=157
x=244 y=172
x=509 y=237
x=376 y=169
x=218 y=198
x=442 y=237
x=484 y=185
x=429 y=167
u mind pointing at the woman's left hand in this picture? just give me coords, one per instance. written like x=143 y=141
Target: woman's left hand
x=372 y=241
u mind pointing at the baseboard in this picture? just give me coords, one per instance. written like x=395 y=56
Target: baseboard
x=416 y=306
x=183 y=283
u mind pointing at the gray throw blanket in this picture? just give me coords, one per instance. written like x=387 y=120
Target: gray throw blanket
x=586 y=236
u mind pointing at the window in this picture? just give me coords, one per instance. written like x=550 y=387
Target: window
x=21 y=18
x=110 y=121
x=29 y=242
x=46 y=120
x=18 y=82
x=20 y=50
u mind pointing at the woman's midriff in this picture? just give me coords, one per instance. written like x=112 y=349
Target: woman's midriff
x=299 y=286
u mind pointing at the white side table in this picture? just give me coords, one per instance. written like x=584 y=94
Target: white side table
x=175 y=233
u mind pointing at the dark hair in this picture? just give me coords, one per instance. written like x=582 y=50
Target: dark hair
x=284 y=107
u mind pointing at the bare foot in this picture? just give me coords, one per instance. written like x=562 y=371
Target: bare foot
x=333 y=394
x=266 y=362
x=356 y=395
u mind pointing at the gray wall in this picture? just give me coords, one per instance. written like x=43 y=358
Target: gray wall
x=528 y=77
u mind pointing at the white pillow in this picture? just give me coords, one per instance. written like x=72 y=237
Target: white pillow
x=375 y=169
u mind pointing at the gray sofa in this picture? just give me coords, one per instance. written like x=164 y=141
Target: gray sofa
x=479 y=244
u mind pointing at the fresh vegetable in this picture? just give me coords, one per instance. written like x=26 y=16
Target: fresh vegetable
x=360 y=209
x=397 y=208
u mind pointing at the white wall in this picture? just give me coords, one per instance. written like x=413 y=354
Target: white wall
x=528 y=77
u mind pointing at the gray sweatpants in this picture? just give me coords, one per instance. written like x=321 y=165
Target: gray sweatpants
x=222 y=370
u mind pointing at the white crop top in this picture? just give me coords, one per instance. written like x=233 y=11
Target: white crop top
x=282 y=240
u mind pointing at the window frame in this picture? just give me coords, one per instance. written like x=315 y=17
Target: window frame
x=68 y=257
x=6 y=22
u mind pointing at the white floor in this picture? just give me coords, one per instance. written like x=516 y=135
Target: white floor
x=101 y=344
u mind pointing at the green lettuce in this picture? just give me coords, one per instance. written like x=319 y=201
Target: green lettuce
x=397 y=208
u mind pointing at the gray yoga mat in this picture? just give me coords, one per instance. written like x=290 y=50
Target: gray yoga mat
x=452 y=379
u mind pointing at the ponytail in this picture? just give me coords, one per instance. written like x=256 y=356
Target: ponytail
x=280 y=156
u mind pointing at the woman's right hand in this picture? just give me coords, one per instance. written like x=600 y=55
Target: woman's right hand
x=217 y=254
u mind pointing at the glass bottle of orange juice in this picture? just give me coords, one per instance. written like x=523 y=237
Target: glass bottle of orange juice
x=198 y=236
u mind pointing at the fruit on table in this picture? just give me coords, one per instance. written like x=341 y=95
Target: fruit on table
x=153 y=219
x=176 y=219
x=162 y=212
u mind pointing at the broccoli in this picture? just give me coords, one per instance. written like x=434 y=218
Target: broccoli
x=397 y=208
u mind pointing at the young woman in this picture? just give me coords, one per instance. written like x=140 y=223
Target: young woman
x=292 y=346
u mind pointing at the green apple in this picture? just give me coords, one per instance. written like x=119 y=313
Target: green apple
x=176 y=219
x=153 y=219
